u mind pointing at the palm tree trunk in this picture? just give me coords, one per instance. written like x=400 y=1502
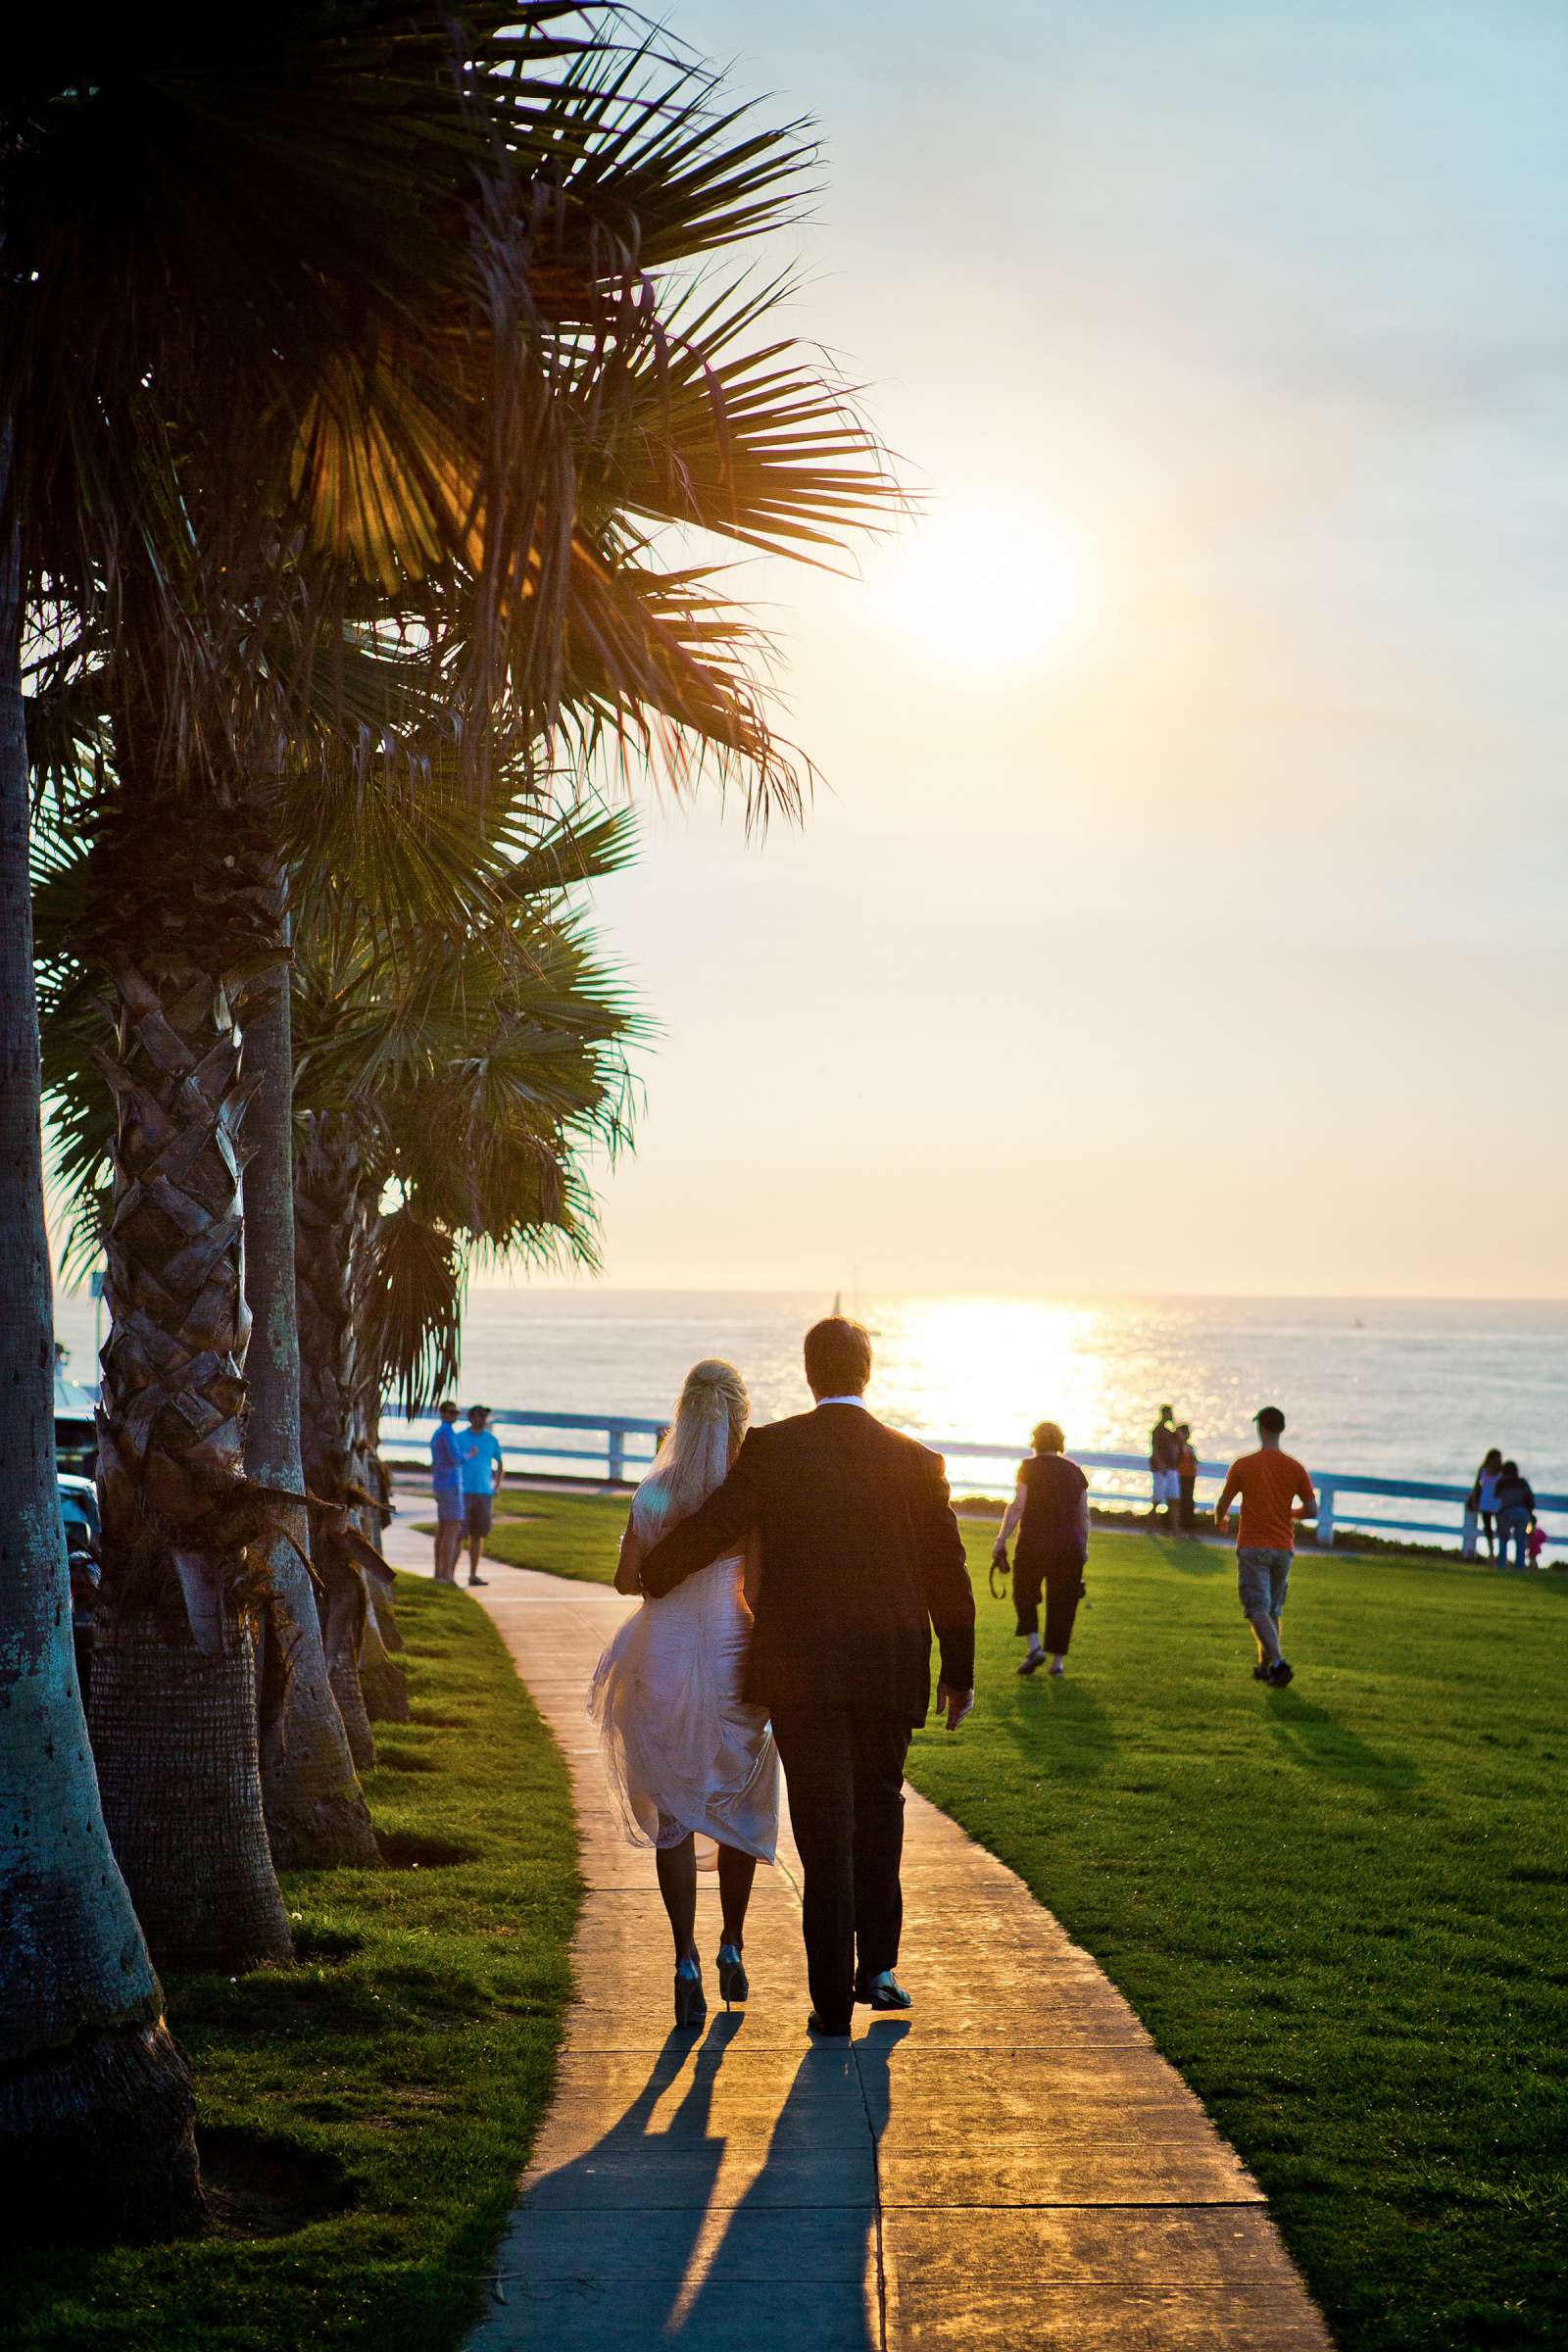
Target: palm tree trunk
x=326 y=1251
x=317 y=1815
x=96 y=2104
x=382 y=1681
x=329 y=1237
x=206 y=1898
x=173 y=1704
x=344 y=1611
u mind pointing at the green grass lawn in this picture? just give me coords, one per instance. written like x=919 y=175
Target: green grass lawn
x=1342 y=1909
x=403 y=2064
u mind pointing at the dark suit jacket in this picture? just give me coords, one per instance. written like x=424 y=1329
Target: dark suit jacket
x=860 y=1557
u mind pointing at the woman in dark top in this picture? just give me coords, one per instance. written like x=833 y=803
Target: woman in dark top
x=1516 y=1514
x=1050 y=1512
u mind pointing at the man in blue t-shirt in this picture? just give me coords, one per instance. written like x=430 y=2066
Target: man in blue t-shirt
x=446 y=1478
x=483 y=1471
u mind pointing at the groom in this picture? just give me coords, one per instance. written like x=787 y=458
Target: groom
x=862 y=1556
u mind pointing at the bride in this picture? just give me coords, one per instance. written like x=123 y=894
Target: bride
x=683 y=1753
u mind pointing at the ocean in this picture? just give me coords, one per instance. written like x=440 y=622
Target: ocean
x=1392 y=1388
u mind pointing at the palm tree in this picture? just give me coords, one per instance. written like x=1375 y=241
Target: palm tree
x=464 y=1089
x=322 y=321
x=86 y=2059
x=465 y=1093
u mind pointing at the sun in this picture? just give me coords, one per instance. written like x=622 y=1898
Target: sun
x=988 y=589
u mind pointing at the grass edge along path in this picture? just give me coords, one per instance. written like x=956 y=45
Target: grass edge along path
x=394 y=2078
x=1340 y=1909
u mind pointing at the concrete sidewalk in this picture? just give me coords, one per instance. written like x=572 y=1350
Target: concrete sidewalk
x=1012 y=2163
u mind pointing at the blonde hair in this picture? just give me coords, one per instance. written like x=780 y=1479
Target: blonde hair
x=711 y=1418
x=1048 y=1437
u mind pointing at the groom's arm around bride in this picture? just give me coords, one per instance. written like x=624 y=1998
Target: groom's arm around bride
x=861 y=1563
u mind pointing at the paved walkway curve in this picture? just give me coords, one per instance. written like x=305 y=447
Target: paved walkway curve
x=1012 y=2164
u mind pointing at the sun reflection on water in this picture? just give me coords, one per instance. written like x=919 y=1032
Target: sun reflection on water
x=987 y=1369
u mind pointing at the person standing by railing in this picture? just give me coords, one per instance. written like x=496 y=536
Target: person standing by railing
x=1270 y=1484
x=1516 y=1515
x=446 y=1481
x=483 y=1468
x=1484 y=1491
x=1164 y=1454
x=1187 y=1478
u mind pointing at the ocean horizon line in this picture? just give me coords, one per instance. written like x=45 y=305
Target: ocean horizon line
x=592 y=1287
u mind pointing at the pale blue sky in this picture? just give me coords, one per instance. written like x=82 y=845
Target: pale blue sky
x=1222 y=950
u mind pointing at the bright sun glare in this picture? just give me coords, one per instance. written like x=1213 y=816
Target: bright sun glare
x=988 y=589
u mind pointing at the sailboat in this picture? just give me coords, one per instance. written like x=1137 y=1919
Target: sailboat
x=838 y=1308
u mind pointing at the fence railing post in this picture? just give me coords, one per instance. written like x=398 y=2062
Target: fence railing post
x=617 y=1454
x=1325 y=1511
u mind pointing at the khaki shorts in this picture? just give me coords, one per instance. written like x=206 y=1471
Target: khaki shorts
x=477 y=1512
x=1263 y=1581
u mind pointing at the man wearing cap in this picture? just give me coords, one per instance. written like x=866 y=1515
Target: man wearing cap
x=483 y=1471
x=1275 y=1491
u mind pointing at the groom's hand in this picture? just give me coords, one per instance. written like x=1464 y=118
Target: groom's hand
x=954 y=1704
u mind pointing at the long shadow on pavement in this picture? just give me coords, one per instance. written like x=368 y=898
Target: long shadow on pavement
x=842 y=2320
x=624 y=2244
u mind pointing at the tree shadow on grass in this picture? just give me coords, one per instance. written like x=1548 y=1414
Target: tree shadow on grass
x=1309 y=1736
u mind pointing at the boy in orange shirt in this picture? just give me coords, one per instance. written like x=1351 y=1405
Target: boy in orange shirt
x=1270 y=1483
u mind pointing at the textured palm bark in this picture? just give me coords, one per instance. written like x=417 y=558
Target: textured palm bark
x=386 y=1620
x=329 y=1251
x=344 y=1669
x=96 y=2106
x=327 y=1238
x=382 y=1681
x=317 y=1815
x=178 y=1766
x=180 y=1522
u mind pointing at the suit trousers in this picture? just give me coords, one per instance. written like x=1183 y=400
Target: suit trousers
x=845 y=1770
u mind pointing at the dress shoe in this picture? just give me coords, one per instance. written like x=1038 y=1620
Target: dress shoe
x=882 y=1992
x=831 y=2033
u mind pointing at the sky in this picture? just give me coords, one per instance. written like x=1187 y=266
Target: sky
x=1181 y=907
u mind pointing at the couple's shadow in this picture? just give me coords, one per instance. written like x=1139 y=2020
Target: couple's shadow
x=675 y=2266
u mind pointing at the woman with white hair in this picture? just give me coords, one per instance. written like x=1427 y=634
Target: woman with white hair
x=1050 y=1511
x=684 y=1756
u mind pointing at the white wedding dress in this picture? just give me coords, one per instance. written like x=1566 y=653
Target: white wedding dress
x=681 y=1748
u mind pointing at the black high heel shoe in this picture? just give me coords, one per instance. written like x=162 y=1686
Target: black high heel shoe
x=732 y=1978
x=690 y=2006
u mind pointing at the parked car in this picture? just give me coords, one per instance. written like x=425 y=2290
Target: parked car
x=75 y=1428
x=78 y=1508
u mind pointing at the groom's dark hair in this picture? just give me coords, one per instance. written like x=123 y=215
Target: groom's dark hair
x=838 y=1357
